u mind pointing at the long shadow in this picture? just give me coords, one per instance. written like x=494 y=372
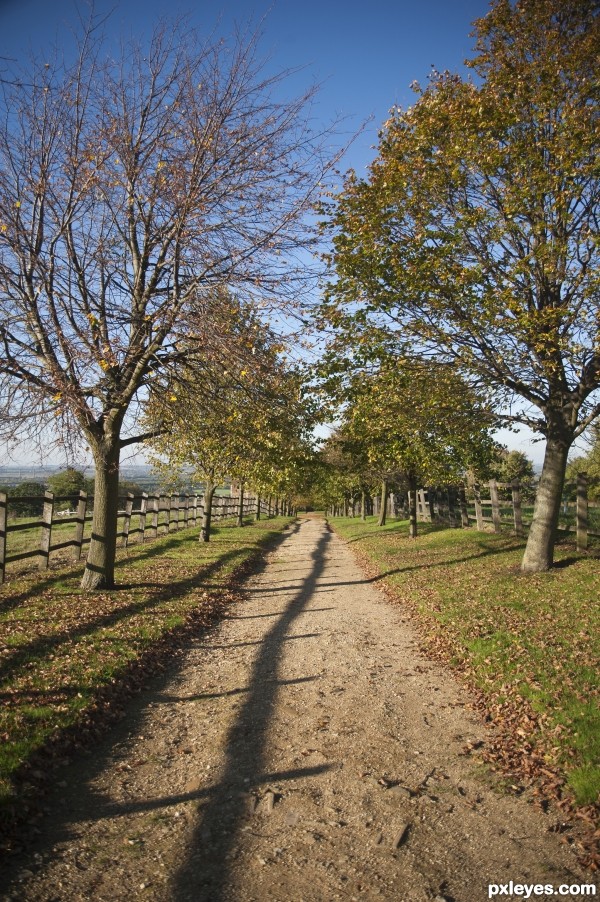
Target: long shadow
x=241 y=690
x=82 y=802
x=259 y=641
x=379 y=576
x=35 y=582
x=49 y=696
x=276 y=614
x=158 y=547
x=44 y=645
x=205 y=875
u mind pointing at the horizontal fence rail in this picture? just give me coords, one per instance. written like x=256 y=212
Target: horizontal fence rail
x=493 y=506
x=141 y=518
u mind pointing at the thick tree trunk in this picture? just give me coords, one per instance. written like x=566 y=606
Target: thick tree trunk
x=209 y=492
x=539 y=551
x=258 y=507
x=383 y=506
x=99 y=570
x=412 y=508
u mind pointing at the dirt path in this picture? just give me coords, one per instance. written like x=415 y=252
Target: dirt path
x=303 y=752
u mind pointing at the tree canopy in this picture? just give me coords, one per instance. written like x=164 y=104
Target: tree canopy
x=412 y=423
x=474 y=238
x=130 y=187
x=246 y=419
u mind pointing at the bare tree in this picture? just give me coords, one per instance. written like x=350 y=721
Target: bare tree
x=129 y=187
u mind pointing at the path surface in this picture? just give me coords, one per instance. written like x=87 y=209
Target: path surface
x=303 y=752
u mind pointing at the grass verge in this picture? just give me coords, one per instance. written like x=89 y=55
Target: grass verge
x=67 y=658
x=530 y=644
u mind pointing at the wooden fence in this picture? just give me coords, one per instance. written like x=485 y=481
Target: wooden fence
x=141 y=518
x=497 y=505
x=492 y=507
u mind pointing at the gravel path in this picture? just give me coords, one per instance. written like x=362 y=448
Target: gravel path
x=303 y=751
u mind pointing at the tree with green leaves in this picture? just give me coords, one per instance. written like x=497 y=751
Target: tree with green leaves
x=30 y=489
x=247 y=420
x=133 y=183
x=419 y=423
x=515 y=466
x=474 y=239
x=67 y=482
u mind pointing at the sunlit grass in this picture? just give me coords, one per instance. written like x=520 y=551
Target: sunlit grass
x=60 y=648
x=530 y=641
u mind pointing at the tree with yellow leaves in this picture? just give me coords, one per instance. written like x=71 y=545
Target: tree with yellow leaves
x=247 y=419
x=474 y=240
x=131 y=185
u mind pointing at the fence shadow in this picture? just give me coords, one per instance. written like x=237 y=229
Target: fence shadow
x=60 y=822
x=48 y=644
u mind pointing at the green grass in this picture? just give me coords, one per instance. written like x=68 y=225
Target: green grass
x=61 y=649
x=22 y=540
x=529 y=643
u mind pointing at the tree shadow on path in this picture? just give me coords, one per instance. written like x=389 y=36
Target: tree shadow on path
x=205 y=875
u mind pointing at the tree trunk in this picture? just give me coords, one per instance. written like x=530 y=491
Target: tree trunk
x=258 y=507
x=209 y=492
x=539 y=551
x=240 y=511
x=383 y=505
x=363 y=506
x=99 y=570
x=412 y=508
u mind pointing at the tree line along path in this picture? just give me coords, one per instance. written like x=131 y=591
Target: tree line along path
x=303 y=750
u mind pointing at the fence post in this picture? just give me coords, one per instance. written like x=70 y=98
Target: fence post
x=3 y=521
x=495 y=505
x=464 y=510
x=517 y=512
x=167 y=514
x=452 y=496
x=582 y=511
x=424 y=505
x=186 y=511
x=175 y=499
x=46 y=537
x=155 y=514
x=194 y=516
x=478 y=509
x=143 y=512
x=127 y=520
x=431 y=495
x=80 y=525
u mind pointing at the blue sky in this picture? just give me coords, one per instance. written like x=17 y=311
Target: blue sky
x=364 y=55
